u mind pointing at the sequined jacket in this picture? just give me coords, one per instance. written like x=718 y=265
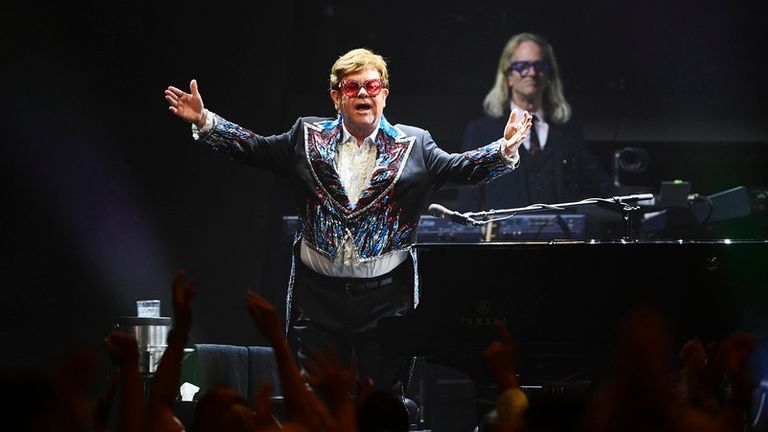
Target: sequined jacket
x=409 y=167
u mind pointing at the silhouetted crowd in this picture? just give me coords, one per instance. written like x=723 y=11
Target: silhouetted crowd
x=648 y=387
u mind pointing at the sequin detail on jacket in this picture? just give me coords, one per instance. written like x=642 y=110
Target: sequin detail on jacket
x=487 y=163
x=374 y=223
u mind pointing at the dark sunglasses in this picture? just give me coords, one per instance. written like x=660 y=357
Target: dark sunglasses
x=522 y=67
x=351 y=88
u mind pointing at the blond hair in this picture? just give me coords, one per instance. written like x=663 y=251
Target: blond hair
x=356 y=60
x=556 y=108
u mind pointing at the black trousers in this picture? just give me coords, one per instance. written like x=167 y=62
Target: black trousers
x=344 y=313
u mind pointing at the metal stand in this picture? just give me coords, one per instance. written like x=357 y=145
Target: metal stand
x=147 y=381
x=631 y=215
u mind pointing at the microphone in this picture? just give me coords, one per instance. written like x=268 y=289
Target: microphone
x=636 y=197
x=437 y=210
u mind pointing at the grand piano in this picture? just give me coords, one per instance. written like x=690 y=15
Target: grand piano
x=562 y=300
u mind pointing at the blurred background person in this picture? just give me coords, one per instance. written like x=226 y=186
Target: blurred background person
x=555 y=163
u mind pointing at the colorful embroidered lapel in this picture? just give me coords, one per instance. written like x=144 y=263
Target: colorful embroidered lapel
x=392 y=146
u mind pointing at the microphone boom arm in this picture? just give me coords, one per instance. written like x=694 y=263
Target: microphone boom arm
x=627 y=203
x=623 y=201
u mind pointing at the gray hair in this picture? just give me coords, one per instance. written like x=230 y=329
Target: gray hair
x=556 y=108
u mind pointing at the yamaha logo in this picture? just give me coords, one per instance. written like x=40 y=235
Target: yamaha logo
x=483 y=308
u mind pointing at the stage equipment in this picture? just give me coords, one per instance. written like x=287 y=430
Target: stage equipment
x=562 y=301
x=151 y=335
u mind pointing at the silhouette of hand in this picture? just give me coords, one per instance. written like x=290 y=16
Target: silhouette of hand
x=264 y=316
x=500 y=359
x=182 y=302
x=123 y=349
x=326 y=374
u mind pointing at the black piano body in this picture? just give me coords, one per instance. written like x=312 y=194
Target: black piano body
x=562 y=301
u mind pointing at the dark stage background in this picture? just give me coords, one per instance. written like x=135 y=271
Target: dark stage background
x=106 y=195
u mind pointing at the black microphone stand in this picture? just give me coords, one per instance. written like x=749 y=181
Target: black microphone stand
x=628 y=205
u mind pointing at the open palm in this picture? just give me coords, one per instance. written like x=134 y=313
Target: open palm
x=187 y=106
x=515 y=131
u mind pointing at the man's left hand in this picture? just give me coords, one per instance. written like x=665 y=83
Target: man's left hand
x=515 y=132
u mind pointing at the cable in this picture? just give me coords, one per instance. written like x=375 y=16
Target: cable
x=564 y=226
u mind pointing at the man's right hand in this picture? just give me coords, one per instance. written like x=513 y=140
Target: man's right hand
x=188 y=107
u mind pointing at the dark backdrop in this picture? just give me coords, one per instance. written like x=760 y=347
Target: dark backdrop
x=106 y=194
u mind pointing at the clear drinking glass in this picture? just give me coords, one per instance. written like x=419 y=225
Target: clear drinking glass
x=148 y=308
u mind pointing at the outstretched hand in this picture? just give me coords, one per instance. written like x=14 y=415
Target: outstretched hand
x=182 y=302
x=187 y=106
x=515 y=131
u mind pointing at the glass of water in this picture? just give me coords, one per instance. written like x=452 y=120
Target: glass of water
x=148 y=308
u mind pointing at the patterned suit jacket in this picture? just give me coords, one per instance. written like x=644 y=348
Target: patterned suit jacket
x=409 y=167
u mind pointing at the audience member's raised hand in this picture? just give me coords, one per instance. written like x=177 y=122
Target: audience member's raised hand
x=264 y=316
x=166 y=380
x=702 y=373
x=365 y=387
x=511 y=403
x=262 y=408
x=693 y=354
x=327 y=375
x=335 y=382
x=303 y=409
x=218 y=409
x=736 y=351
x=705 y=373
x=182 y=303
x=500 y=359
x=124 y=352
x=73 y=378
x=103 y=404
